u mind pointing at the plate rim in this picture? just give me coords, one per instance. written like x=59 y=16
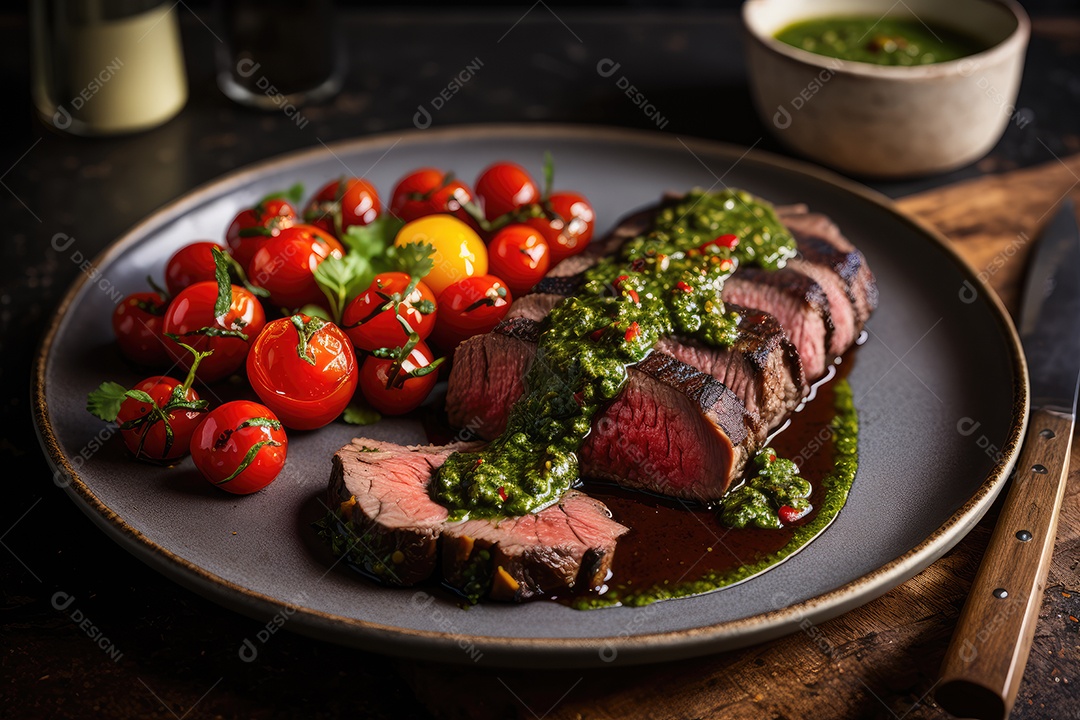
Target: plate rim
x=534 y=652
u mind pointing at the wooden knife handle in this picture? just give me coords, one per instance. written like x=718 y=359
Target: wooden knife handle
x=985 y=660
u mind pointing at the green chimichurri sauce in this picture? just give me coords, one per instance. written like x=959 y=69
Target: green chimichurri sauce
x=836 y=484
x=882 y=41
x=666 y=282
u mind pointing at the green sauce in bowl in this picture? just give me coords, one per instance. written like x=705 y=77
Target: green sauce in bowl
x=903 y=41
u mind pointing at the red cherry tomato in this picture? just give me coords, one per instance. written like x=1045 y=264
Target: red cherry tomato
x=428 y=191
x=370 y=319
x=240 y=447
x=570 y=231
x=137 y=324
x=395 y=389
x=470 y=307
x=285 y=265
x=253 y=226
x=520 y=256
x=304 y=369
x=342 y=203
x=191 y=317
x=504 y=187
x=160 y=431
x=190 y=264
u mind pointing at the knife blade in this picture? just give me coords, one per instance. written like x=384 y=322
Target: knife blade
x=981 y=672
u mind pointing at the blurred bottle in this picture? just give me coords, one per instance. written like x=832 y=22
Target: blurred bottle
x=102 y=67
x=279 y=53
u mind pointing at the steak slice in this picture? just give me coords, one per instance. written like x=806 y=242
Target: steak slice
x=798 y=302
x=762 y=368
x=400 y=534
x=820 y=242
x=672 y=430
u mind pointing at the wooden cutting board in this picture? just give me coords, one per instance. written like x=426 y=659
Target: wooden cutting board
x=881 y=660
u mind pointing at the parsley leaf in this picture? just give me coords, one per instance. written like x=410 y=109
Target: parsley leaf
x=415 y=258
x=373 y=239
x=342 y=279
x=105 y=402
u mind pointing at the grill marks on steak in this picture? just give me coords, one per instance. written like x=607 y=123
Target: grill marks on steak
x=403 y=535
x=673 y=429
x=762 y=368
x=797 y=301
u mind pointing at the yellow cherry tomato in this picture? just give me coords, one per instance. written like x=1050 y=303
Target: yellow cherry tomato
x=459 y=251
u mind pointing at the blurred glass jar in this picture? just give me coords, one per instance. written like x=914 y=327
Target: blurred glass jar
x=103 y=67
x=279 y=54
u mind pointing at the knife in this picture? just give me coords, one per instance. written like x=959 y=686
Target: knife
x=985 y=660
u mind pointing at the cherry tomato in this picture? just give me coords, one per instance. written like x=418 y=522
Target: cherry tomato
x=190 y=264
x=146 y=427
x=428 y=191
x=137 y=324
x=503 y=187
x=470 y=307
x=570 y=231
x=343 y=203
x=240 y=447
x=520 y=256
x=459 y=251
x=285 y=265
x=395 y=389
x=304 y=369
x=191 y=317
x=371 y=322
x=250 y=228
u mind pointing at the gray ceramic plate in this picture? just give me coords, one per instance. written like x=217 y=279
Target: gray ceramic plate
x=942 y=355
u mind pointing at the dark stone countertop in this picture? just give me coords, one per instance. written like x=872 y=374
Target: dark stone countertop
x=689 y=65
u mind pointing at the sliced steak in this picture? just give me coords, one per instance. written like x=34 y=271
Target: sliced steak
x=762 y=368
x=822 y=298
x=381 y=489
x=400 y=534
x=797 y=301
x=820 y=242
x=673 y=429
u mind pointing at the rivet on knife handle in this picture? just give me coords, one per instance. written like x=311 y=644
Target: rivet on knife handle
x=985 y=661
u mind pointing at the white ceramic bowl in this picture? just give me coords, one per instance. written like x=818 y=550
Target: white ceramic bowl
x=888 y=121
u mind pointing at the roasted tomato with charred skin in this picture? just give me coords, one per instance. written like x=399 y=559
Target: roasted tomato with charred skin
x=520 y=256
x=251 y=227
x=342 y=203
x=470 y=307
x=428 y=191
x=504 y=187
x=192 y=317
x=137 y=323
x=569 y=228
x=395 y=385
x=376 y=318
x=304 y=369
x=285 y=265
x=240 y=447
